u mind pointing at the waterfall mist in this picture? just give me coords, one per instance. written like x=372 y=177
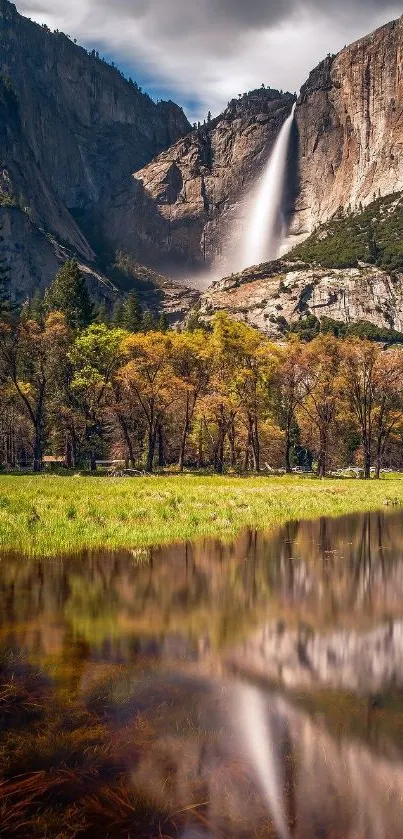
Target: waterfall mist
x=265 y=225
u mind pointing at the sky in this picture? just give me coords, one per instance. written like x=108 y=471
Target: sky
x=201 y=53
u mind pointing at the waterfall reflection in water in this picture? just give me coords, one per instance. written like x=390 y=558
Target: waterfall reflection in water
x=260 y=741
x=119 y=715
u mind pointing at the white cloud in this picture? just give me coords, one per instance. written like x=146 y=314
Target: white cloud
x=207 y=51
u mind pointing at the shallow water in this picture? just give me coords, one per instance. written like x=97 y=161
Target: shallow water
x=208 y=690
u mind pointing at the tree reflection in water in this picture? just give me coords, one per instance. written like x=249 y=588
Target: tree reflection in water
x=121 y=714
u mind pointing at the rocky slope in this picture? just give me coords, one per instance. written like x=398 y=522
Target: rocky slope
x=156 y=292
x=182 y=207
x=349 y=270
x=350 y=126
x=34 y=257
x=71 y=127
x=373 y=234
x=278 y=294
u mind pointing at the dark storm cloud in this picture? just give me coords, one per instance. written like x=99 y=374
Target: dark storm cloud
x=209 y=50
x=245 y=13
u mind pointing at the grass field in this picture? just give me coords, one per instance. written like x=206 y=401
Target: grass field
x=45 y=515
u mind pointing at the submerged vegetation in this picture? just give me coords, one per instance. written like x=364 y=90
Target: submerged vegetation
x=51 y=515
x=64 y=762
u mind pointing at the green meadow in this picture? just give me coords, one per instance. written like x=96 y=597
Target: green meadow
x=46 y=515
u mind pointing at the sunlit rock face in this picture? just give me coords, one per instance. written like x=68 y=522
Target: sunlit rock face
x=186 y=208
x=350 y=125
x=269 y=295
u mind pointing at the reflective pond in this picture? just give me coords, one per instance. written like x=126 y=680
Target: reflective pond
x=253 y=689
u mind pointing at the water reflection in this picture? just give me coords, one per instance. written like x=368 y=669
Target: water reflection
x=129 y=704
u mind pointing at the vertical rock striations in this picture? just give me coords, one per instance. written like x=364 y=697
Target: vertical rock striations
x=71 y=128
x=350 y=123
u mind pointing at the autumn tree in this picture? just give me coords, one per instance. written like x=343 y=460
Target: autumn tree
x=289 y=391
x=321 y=388
x=95 y=357
x=374 y=385
x=246 y=360
x=149 y=377
x=31 y=355
x=360 y=364
x=190 y=363
x=218 y=407
x=389 y=402
x=217 y=395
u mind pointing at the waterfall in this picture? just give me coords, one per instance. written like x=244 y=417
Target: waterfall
x=265 y=226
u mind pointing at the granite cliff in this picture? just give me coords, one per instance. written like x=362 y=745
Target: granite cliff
x=350 y=128
x=71 y=127
x=188 y=204
x=182 y=208
x=90 y=165
x=277 y=295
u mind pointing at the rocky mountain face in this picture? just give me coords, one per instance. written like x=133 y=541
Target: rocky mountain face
x=181 y=209
x=35 y=257
x=71 y=128
x=89 y=165
x=350 y=128
x=348 y=270
x=187 y=206
x=278 y=294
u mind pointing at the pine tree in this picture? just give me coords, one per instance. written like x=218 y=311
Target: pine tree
x=373 y=249
x=102 y=314
x=118 y=316
x=193 y=322
x=163 y=323
x=133 y=314
x=69 y=294
x=148 y=322
x=36 y=308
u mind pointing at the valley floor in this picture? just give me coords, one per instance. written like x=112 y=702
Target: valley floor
x=46 y=515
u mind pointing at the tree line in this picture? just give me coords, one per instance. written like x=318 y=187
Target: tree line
x=221 y=397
